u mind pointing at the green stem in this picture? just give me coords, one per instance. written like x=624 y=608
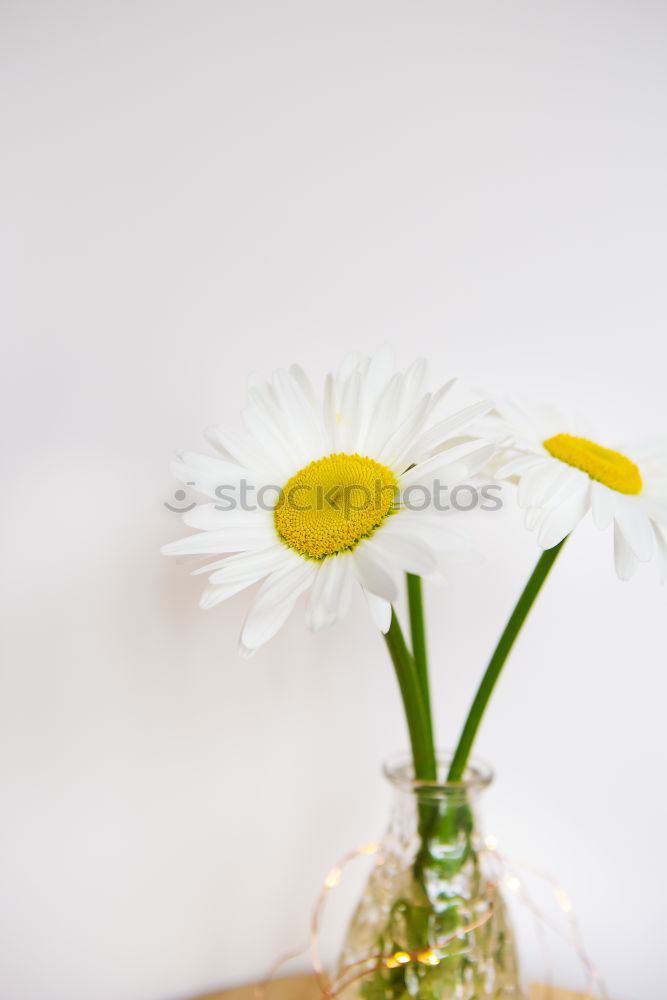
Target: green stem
x=497 y=661
x=418 y=634
x=415 y=712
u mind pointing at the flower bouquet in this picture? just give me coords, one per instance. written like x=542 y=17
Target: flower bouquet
x=351 y=490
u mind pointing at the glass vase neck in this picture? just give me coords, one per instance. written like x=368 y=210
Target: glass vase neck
x=399 y=771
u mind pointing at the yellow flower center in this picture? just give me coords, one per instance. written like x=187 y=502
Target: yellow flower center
x=332 y=504
x=602 y=464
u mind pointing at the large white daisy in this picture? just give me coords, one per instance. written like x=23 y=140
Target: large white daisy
x=562 y=473
x=311 y=495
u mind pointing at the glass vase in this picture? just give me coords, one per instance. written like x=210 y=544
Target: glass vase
x=431 y=923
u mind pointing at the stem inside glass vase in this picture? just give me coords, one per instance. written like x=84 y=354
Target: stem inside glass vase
x=431 y=924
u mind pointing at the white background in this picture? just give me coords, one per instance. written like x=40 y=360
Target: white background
x=193 y=191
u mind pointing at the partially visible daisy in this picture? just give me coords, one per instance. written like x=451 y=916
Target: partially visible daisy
x=340 y=464
x=562 y=473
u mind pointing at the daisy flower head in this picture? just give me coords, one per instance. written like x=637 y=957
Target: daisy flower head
x=563 y=473
x=328 y=475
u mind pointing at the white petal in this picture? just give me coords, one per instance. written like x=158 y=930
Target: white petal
x=518 y=465
x=373 y=573
x=208 y=475
x=260 y=385
x=273 y=556
x=655 y=484
x=213 y=517
x=401 y=444
x=253 y=455
x=649 y=453
x=215 y=595
x=537 y=485
x=376 y=377
x=274 y=603
x=435 y=531
x=449 y=467
x=233 y=538
x=426 y=525
x=349 y=415
x=304 y=383
x=211 y=434
x=515 y=416
x=380 y=611
x=248 y=565
x=237 y=572
x=414 y=382
x=342 y=595
x=656 y=508
x=267 y=424
x=329 y=410
x=602 y=502
x=440 y=393
x=214 y=468
x=555 y=484
x=302 y=423
x=635 y=526
x=561 y=518
x=383 y=419
x=329 y=598
x=437 y=435
x=350 y=364
x=379 y=372
x=534 y=517
x=624 y=558
x=403 y=551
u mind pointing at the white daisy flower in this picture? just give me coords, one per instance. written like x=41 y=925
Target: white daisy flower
x=312 y=496
x=562 y=474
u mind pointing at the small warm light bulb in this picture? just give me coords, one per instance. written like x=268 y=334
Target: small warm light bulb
x=371 y=848
x=428 y=957
x=491 y=843
x=513 y=883
x=333 y=878
x=398 y=958
x=563 y=900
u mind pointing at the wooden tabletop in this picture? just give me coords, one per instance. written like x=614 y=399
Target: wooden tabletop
x=305 y=988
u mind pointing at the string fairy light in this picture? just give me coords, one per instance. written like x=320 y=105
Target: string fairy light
x=505 y=874
x=572 y=936
x=333 y=878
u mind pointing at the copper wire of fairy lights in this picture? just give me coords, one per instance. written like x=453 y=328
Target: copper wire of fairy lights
x=504 y=874
x=507 y=874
